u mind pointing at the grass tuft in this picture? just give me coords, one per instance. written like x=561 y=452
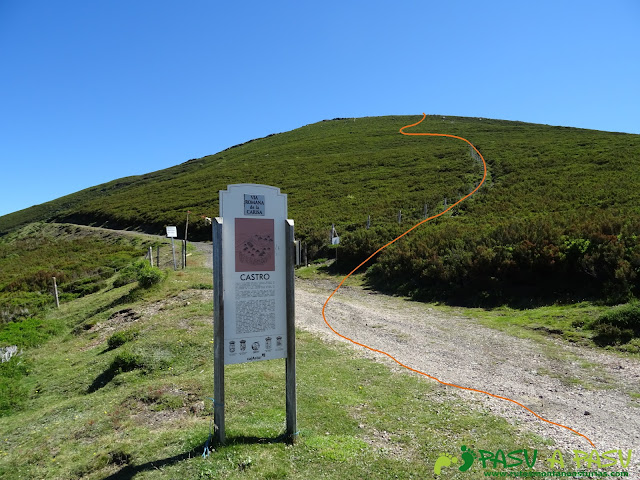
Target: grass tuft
x=617 y=326
x=120 y=338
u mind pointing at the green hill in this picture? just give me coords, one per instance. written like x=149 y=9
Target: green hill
x=559 y=203
x=116 y=382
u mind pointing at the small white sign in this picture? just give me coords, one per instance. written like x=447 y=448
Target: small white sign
x=254 y=205
x=172 y=232
x=335 y=240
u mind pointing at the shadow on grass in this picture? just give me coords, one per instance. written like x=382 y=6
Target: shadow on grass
x=102 y=380
x=250 y=440
x=123 y=362
x=130 y=471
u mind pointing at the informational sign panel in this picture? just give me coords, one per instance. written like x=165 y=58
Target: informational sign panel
x=172 y=232
x=254 y=272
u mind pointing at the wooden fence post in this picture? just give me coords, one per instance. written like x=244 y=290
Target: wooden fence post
x=298 y=252
x=158 y=256
x=55 y=292
x=186 y=227
x=305 y=254
x=173 y=252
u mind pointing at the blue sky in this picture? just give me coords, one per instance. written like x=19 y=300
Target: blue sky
x=94 y=91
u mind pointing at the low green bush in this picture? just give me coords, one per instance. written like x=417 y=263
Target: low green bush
x=120 y=338
x=126 y=362
x=142 y=272
x=618 y=326
x=126 y=276
x=149 y=276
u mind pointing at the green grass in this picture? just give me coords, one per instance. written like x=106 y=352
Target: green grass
x=558 y=219
x=574 y=323
x=142 y=409
x=324 y=271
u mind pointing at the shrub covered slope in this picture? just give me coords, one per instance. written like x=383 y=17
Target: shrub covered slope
x=80 y=259
x=557 y=219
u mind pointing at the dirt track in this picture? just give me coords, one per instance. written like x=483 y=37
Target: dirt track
x=559 y=382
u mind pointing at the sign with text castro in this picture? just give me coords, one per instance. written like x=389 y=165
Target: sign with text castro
x=253 y=281
x=254 y=267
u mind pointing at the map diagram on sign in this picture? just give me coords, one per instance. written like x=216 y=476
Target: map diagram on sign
x=254 y=245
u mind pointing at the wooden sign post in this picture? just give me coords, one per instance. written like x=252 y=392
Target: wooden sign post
x=253 y=281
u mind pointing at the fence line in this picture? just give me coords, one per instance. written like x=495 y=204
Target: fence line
x=163 y=257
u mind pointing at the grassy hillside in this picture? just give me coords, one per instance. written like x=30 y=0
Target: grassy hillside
x=559 y=203
x=121 y=390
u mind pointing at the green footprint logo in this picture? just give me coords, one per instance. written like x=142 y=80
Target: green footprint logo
x=444 y=460
x=468 y=457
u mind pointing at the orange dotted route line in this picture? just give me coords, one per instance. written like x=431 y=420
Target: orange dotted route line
x=484 y=176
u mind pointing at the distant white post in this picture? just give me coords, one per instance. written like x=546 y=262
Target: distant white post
x=55 y=292
x=186 y=227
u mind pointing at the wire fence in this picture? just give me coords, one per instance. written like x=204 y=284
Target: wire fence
x=162 y=255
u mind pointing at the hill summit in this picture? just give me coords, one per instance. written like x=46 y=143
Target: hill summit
x=559 y=202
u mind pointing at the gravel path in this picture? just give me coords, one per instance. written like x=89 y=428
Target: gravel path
x=583 y=388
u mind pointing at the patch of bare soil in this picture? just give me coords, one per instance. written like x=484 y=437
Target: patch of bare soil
x=153 y=414
x=181 y=299
x=123 y=319
x=117 y=321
